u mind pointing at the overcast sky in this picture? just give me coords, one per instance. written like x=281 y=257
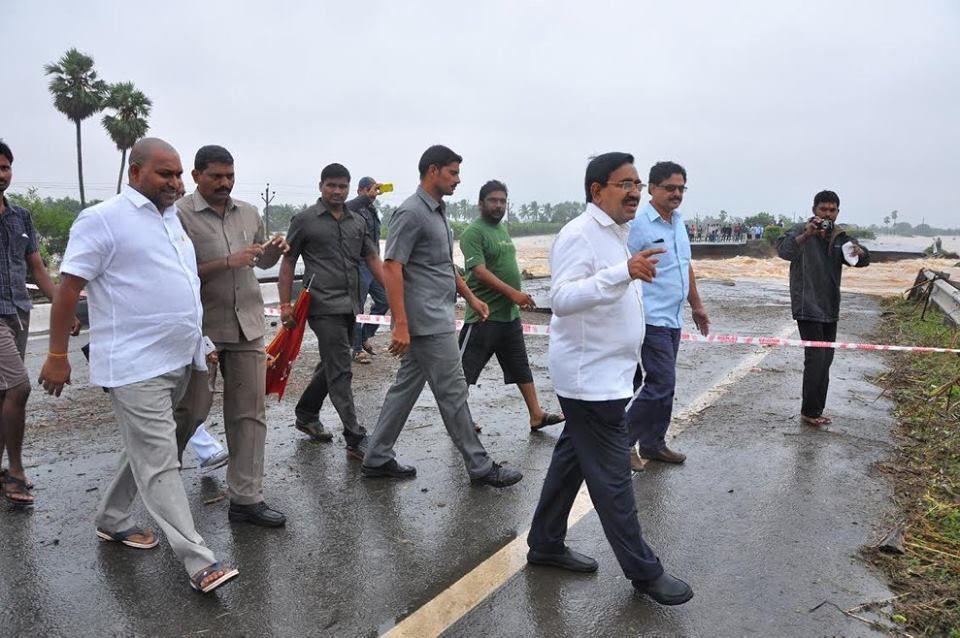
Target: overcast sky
x=765 y=103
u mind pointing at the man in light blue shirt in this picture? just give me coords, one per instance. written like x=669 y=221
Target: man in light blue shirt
x=660 y=225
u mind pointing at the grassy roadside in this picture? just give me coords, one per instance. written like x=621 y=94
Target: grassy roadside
x=925 y=473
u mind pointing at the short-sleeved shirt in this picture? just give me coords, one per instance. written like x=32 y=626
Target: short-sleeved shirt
x=143 y=292
x=419 y=237
x=17 y=240
x=232 y=303
x=663 y=298
x=489 y=245
x=332 y=250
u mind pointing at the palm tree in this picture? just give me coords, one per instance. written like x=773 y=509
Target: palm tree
x=77 y=93
x=129 y=121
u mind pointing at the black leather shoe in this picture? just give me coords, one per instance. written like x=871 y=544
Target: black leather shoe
x=569 y=559
x=390 y=469
x=665 y=589
x=498 y=476
x=257 y=514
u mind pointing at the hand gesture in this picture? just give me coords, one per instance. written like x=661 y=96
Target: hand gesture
x=54 y=375
x=246 y=258
x=75 y=327
x=643 y=265
x=701 y=320
x=523 y=300
x=275 y=247
x=286 y=316
x=479 y=307
x=400 y=342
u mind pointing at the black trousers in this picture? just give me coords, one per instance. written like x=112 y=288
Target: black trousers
x=816 y=366
x=333 y=375
x=649 y=417
x=593 y=448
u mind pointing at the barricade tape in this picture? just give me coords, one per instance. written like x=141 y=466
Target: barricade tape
x=543 y=330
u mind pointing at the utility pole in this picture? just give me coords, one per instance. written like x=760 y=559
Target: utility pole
x=267 y=197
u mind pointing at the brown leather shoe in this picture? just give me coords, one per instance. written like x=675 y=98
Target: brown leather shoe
x=665 y=455
x=636 y=463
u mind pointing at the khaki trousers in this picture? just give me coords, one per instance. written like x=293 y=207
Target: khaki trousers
x=244 y=369
x=149 y=466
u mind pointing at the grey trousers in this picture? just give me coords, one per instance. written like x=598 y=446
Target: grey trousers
x=433 y=359
x=333 y=375
x=149 y=465
x=243 y=366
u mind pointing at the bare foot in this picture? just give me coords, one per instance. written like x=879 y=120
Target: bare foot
x=815 y=421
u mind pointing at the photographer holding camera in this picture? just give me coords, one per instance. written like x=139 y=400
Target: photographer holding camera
x=817 y=252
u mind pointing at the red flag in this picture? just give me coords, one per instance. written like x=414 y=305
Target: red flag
x=285 y=347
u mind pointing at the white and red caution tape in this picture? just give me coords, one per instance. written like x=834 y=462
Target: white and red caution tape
x=802 y=343
x=543 y=330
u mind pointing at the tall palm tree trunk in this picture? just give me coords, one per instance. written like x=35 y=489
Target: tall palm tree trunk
x=83 y=199
x=123 y=163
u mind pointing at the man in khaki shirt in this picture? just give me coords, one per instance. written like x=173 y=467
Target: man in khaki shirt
x=229 y=239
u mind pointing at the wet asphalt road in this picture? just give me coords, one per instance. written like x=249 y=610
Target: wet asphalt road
x=764 y=520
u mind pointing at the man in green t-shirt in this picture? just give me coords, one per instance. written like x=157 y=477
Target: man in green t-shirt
x=490 y=259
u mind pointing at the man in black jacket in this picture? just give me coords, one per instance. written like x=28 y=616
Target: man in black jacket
x=363 y=205
x=817 y=252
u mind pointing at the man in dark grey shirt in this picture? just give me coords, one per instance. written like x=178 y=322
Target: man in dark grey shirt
x=363 y=204
x=333 y=242
x=421 y=288
x=817 y=252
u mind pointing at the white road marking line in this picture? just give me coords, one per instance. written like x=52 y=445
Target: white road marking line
x=454 y=602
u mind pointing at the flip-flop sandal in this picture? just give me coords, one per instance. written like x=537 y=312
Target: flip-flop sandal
x=124 y=537
x=3 y=477
x=548 y=419
x=19 y=487
x=229 y=573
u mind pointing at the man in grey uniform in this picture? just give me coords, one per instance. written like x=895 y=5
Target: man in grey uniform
x=421 y=288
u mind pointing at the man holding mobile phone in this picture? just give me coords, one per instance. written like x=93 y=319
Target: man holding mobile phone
x=660 y=225
x=364 y=204
x=229 y=239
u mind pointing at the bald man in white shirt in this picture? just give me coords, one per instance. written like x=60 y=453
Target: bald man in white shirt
x=140 y=270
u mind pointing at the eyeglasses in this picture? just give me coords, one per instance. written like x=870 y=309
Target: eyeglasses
x=673 y=188
x=628 y=184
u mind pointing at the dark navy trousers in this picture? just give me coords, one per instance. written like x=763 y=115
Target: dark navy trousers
x=593 y=448
x=649 y=416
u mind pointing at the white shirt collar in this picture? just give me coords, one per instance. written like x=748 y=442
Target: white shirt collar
x=139 y=200
x=598 y=214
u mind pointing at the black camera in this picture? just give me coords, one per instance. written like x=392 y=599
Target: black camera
x=824 y=225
